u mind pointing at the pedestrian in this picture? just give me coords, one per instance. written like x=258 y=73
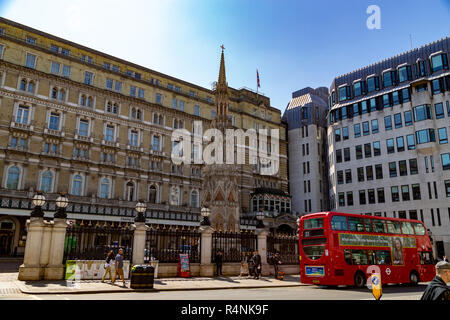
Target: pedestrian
x=276 y=263
x=437 y=289
x=219 y=260
x=108 y=264
x=251 y=267
x=257 y=265
x=119 y=267
x=244 y=266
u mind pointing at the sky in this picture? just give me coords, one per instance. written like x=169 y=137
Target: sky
x=293 y=44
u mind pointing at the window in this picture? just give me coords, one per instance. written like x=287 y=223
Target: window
x=387 y=123
x=422 y=112
x=54 y=121
x=356 y=224
x=362 y=197
x=408 y=118
x=445 y=161
x=447 y=188
x=413 y=168
x=355 y=109
x=367 y=150
x=339 y=156
x=22 y=115
x=386 y=101
x=439 y=110
x=416 y=191
x=379 y=171
x=400 y=144
x=373 y=84
x=77 y=185
x=388 y=79
x=346 y=154
x=83 y=128
x=197 y=110
x=390 y=146
x=66 y=71
x=394 y=194
x=155 y=143
x=366 y=128
x=398 y=120
x=404 y=74
x=349 y=198
x=345 y=133
x=437 y=86
x=421 y=70
x=47 y=181
x=181 y=105
x=411 y=142
x=393 y=227
x=402 y=168
x=405 y=193
x=348 y=176
x=395 y=98
x=442 y=134
x=133 y=139
x=374 y=126
x=30 y=61
x=133 y=91
x=104 y=188
x=379 y=227
x=109 y=83
x=89 y=77
x=405 y=95
x=141 y=93
x=360 y=172
x=109 y=133
x=118 y=86
x=439 y=62
x=158 y=98
x=369 y=173
x=344 y=93
x=357 y=129
x=358 y=89
x=424 y=136
x=364 y=107
x=341 y=197
x=373 y=104
x=12 y=181
x=55 y=67
x=392 y=169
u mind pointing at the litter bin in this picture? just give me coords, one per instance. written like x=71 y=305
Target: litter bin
x=142 y=277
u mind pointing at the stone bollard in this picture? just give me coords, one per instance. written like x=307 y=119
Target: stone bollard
x=140 y=234
x=262 y=250
x=45 y=247
x=206 y=267
x=55 y=268
x=30 y=269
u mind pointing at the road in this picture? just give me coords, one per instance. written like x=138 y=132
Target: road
x=397 y=292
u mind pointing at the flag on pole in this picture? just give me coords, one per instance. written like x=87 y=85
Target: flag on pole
x=257 y=79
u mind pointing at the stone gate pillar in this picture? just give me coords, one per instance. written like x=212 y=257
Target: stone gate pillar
x=206 y=267
x=55 y=268
x=30 y=269
x=45 y=247
x=262 y=250
x=139 y=238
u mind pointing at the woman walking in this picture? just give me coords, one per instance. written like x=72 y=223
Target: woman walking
x=108 y=264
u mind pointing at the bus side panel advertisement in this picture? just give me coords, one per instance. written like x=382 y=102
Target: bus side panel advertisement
x=315 y=271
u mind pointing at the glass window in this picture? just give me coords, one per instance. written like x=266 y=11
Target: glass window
x=366 y=128
x=197 y=110
x=369 y=173
x=315 y=223
x=416 y=191
x=388 y=79
x=411 y=142
x=379 y=226
x=118 y=86
x=379 y=171
x=104 y=188
x=66 y=71
x=413 y=168
x=392 y=169
x=386 y=101
x=364 y=107
x=447 y=188
x=359 y=257
x=88 y=77
x=356 y=224
x=387 y=123
x=422 y=112
x=437 y=86
x=55 y=67
x=439 y=110
x=408 y=118
x=405 y=95
x=400 y=144
x=343 y=93
x=355 y=109
x=357 y=89
x=360 y=171
x=390 y=146
x=405 y=193
x=362 y=197
x=345 y=133
x=22 y=115
x=395 y=194
x=348 y=256
x=359 y=153
x=339 y=223
x=158 y=98
x=346 y=154
x=376 y=148
x=442 y=134
x=424 y=136
x=54 y=121
x=445 y=161
x=109 y=83
x=407 y=228
x=380 y=195
x=383 y=257
x=419 y=229
x=77 y=185
x=439 y=62
x=339 y=156
x=30 y=61
x=337 y=135
x=47 y=181
x=372 y=84
x=367 y=150
x=83 y=129
x=398 y=120
x=357 y=129
x=371 y=196
x=373 y=104
x=393 y=227
x=12 y=181
x=404 y=74
x=314 y=252
x=375 y=126
x=395 y=98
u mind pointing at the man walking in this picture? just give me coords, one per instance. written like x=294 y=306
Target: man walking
x=219 y=259
x=437 y=289
x=257 y=264
x=119 y=267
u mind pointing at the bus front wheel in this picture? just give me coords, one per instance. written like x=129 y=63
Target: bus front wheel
x=360 y=280
x=413 y=278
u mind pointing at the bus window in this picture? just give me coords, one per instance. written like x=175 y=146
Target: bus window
x=359 y=257
x=407 y=228
x=356 y=224
x=393 y=227
x=372 y=257
x=313 y=223
x=426 y=257
x=348 y=256
x=314 y=252
x=383 y=257
x=420 y=229
x=379 y=226
x=368 y=225
x=339 y=223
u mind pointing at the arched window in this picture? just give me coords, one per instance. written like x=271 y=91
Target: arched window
x=138 y=114
x=13 y=178
x=62 y=94
x=130 y=191
x=161 y=120
x=47 y=181
x=155 y=118
x=133 y=113
x=23 y=85
x=77 y=185
x=115 y=108
x=54 y=93
x=104 y=188
x=89 y=102
x=83 y=100
x=152 y=194
x=31 y=87
x=109 y=107
x=194 y=199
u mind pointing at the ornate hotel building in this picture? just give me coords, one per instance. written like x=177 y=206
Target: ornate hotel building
x=99 y=128
x=388 y=133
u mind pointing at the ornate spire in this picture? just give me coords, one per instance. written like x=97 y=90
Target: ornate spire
x=221 y=120
x=222 y=77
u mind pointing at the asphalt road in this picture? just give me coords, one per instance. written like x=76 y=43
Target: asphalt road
x=391 y=292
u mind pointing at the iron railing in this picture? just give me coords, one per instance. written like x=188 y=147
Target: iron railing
x=234 y=245
x=93 y=242
x=165 y=244
x=286 y=245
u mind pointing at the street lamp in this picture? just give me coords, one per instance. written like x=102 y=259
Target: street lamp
x=61 y=202
x=205 y=214
x=140 y=208
x=38 y=201
x=260 y=217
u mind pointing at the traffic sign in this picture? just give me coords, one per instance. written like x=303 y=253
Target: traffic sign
x=376 y=285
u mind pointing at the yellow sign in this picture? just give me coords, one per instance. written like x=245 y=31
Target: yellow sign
x=375 y=280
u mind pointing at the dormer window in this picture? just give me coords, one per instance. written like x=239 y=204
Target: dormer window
x=358 y=88
x=344 y=93
x=388 y=79
x=404 y=74
x=439 y=62
x=373 y=83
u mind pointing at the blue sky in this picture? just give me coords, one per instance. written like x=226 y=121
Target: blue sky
x=293 y=44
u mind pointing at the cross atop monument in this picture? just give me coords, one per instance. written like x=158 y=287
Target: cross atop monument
x=223 y=48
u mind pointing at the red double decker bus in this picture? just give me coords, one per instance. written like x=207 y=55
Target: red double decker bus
x=345 y=249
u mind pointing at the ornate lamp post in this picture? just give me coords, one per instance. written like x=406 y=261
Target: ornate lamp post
x=260 y=217
x=38 y=201
x=205 y=214
x=61 y=202
x=140 y=208
x=298 y=225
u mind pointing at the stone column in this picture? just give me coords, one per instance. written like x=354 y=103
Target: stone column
x=55 y=268
x=45 y=247
x=30 y=269
x=262 y=250
x=206 y=267
x=140 y=234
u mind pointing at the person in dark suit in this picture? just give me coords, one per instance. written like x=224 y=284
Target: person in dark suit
x=257 y=265
x=219 y=260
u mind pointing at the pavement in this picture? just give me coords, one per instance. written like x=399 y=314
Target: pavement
x=163 y=284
